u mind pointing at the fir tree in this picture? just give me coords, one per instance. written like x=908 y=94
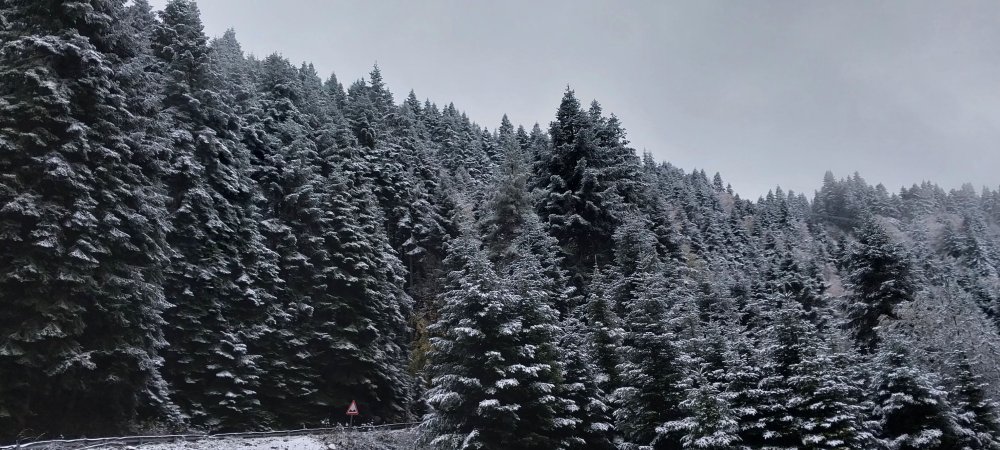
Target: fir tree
x=912 y=411
x=880 y=278
x=650 y=369
x=217 y=274
x=709 y=422
x=344 y=334
x=371 y=115
x=493 y=380
x=361 y=323
x=508 y=206
x=828 y=403
x=789 y=341
x=580 y=202
x=604 y=329
x=82 y=243
x=742 y=377
x=590 y=411
x=977 y=412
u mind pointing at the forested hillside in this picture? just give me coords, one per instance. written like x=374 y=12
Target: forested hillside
x=196 y=238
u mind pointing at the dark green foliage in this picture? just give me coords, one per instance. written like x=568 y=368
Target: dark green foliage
x=977 y=412
x=493 y=372
x=810 y=402
x=650 y=392
x=592 y=427
x=604 y=329
x=582 y=179
x=345 y=333
x=710 y=422
x=81 y=223
x=219 y=270
x=880 y=278
x=913 y=412
x=709 y=417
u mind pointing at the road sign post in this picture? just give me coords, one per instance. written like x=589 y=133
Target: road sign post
x=352 y=411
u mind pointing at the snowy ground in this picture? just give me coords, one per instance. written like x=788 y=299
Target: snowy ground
x=369 y=440
x=274 y=443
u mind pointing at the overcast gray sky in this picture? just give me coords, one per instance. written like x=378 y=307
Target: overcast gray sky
x=765 y=92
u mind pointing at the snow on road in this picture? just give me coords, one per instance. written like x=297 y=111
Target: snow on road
x=371 y=440
x=270 y=443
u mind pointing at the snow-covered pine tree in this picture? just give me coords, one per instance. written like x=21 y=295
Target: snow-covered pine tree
x=619 y=164
x=359 y=335
x=512 y=231
x=578 y=202
x=709 y=422
x=219 y=270
x=879 y=278
x=542 y=402
x=593 y=427
x=913 y=413
x=492 y=383
x=285 y=165
x=367 y=279
x=82 y=243
x=345 y=332
x=634 y=252
x=709 y=419
x=977 y=412
x=742 y=377
x=508 y=205
x=143 y=89
x=788 y=340
x=144 y=75
x=828 y=403
x=234 y=72
x=650 y=370
x=375 y=121
x=800 y=281
x=656 y=207
x=805 y=398
x=539 y=149
x=257 y=92
x=604 y=330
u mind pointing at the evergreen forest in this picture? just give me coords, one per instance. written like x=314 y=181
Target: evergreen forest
x=195 y=238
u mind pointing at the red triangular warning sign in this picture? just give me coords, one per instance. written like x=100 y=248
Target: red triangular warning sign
x=353 y=409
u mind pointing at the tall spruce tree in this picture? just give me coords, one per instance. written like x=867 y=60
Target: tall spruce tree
x=879 y=277
x=788 y=341
x=977 y=412
x=590 y=411
x=508 y=206
x=912 y=411
x=219 y=265
x=345 y=332
x=82 y=244
x=580 y=201
x=810 y=400
x=709 y=422
x=284 y=164
x=604 y=330
x=651 y=370
x=491 y=384
x=709 y=417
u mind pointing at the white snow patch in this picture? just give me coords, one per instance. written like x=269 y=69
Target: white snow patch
x=270 y=443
